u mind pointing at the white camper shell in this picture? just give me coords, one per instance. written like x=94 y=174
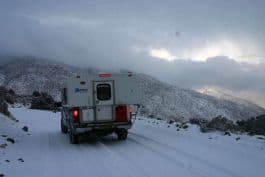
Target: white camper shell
x=99 y=103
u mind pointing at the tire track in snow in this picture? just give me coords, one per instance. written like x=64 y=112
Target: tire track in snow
x=61 y=155
x=137 y=157
x=83 y=158
x=170 y=159
x=193 y=157
x=119 y=162
x=96 y=155
x=125 y=154
x=134 y=165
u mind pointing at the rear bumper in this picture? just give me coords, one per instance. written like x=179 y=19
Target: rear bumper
x=86 y=127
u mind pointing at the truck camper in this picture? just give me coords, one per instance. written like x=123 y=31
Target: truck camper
x=99 y=104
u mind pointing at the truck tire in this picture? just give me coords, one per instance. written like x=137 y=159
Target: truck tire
x=64 y=129
x=74 y=139
x=122 y=134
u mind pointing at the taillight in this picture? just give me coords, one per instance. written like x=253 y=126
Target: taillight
x=75 y=113
x=104 y=75
x=130 y=109
x=121 y=113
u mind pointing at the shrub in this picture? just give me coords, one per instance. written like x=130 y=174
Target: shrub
x=254 y=126
x=44 y=102
x=4 y=108
x=218 y=123
x=36 y=94
x=7 y=95
x=11 y=92
x=221 y=123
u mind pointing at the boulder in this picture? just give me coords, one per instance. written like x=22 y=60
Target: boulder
x=25 y=128
x=11 y=140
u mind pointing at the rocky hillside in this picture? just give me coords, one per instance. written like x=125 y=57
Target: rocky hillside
x=162 y=99
x=159 y=99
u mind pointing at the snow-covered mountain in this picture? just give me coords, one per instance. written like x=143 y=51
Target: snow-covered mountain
x=224 y=95
x=163 y=99
x=159 y=99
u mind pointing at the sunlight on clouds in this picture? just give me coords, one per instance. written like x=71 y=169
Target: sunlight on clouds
x=162 y=53
x=233 y=50
x=240 y=51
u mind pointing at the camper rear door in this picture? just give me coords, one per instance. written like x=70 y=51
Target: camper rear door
x=103 y=99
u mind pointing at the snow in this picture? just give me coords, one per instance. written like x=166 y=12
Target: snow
x=152 y=149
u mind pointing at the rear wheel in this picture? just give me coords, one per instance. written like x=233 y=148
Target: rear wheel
x=74 y=139
x=64 y=129
x=122 y=134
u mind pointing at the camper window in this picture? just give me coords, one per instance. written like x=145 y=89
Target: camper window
x=103 y=92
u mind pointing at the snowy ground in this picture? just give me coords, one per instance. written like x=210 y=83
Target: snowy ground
x=152 y=149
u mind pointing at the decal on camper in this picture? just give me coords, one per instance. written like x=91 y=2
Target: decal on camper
x=79 y=90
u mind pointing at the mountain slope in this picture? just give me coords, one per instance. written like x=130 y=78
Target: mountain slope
x=218 y=93
x=163 y=99
x=159 y=99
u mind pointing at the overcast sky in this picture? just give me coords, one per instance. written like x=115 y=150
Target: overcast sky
x=193 y=44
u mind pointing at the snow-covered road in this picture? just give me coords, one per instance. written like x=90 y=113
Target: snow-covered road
x=152 y=150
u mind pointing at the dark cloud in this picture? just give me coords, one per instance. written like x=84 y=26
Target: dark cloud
x=220 y=71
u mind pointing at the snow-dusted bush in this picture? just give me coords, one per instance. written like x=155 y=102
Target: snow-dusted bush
x=44 y=101
x=254 y=126
x=7 y=95
x=4 y=108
